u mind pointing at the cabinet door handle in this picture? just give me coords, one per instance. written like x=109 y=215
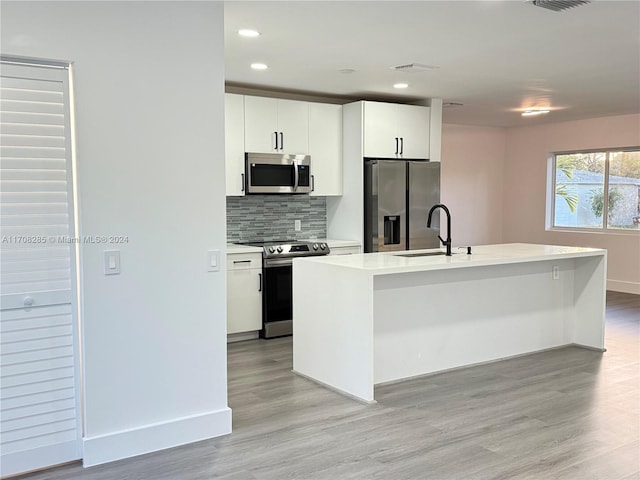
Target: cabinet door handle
x=242 y=261
x=259 y=282
x=242 y=180
x=275 y=134
x=281 y=141
x=396 y=145
x=401 y=145
x=313 y=183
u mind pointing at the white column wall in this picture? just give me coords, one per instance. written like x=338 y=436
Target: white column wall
x=149 y=105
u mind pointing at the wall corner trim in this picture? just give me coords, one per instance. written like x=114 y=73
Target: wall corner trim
x=159 y=436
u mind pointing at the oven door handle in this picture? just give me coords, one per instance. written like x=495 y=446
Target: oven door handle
x=296 y=178
x=278 y=262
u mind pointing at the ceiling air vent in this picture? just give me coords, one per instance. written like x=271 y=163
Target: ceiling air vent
x=451 y=104
x=414 y=68
x=559 y=5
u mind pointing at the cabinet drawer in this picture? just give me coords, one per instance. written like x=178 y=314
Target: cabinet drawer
x=242 y=261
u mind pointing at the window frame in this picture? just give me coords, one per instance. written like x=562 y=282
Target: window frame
x=551 y=193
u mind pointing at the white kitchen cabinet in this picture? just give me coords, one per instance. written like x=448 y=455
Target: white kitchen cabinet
x=273 y=125
x=325 y=148
x=234 y=143
x=395 y=130
x=244 y=292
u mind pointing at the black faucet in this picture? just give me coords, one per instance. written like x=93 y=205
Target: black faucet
x=447 y=242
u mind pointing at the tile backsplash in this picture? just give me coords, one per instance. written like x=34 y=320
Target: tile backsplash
x=272 y=217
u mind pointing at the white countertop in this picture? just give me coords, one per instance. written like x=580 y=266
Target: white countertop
x=235 y=248
x=482 y=255
x=335 y=243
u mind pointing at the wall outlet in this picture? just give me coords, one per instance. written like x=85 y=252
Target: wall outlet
x=555 y=272
x=298 y=225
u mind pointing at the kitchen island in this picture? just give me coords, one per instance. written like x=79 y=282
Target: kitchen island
x=367 y=319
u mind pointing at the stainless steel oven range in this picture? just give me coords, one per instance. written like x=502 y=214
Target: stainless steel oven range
x=277 y=272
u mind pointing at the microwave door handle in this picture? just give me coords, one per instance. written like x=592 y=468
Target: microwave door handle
x=295 y=175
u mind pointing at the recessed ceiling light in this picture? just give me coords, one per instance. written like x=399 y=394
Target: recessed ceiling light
x=347 y=71
x=259 y=66
x=400 y=85
x=532 y=113
x=247 y=32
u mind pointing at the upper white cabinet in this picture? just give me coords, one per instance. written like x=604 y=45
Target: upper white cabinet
x=395 y=130
x=325 y=148
x=234 y=143
x=274 y=125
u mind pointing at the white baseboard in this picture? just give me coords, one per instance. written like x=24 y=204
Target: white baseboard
x=624 y=287
x=158 y=436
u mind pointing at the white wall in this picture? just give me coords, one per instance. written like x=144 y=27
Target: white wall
x=494 y=181
x=471 y=181
x=525 y=181
x=149 y=83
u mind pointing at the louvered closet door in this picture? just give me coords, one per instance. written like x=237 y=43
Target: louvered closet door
x=39 y=409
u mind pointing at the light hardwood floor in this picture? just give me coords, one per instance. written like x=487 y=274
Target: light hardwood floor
x=564 y=414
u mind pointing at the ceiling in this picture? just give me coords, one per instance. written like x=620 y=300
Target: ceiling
x=495 y=57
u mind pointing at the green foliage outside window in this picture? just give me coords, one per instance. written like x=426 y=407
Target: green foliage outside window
x=597 y=201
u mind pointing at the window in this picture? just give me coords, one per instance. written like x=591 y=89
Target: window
x=597 y=190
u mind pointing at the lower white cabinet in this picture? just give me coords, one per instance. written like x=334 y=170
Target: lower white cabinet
x=244 y=292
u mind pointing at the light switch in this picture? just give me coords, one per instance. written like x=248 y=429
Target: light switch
x=112 y=262
x=213 y=260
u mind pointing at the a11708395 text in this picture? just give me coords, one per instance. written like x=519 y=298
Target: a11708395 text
x=63 y=239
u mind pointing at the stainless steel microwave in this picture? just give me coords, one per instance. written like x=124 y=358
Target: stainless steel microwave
x=278 y=173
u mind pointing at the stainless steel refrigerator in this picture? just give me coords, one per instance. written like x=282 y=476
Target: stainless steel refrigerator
x=397 y=197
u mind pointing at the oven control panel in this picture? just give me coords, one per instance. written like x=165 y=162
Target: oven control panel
x=297 y=249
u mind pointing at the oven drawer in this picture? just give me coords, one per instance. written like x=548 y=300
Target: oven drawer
x=243 y=261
